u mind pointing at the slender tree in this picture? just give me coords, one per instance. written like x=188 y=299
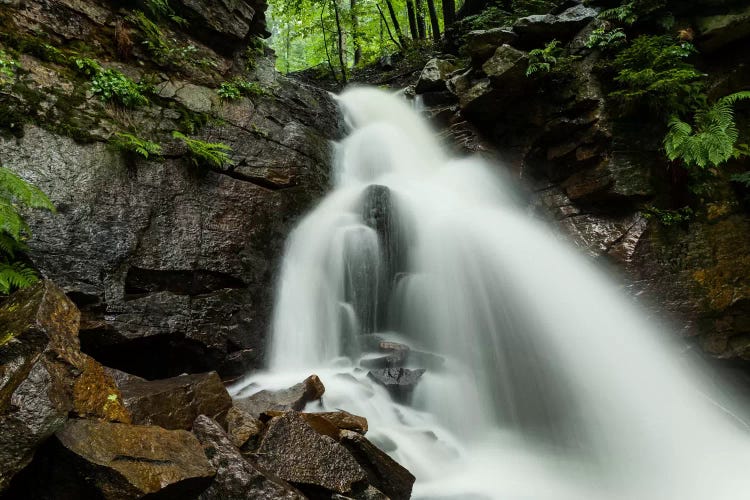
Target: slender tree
x=396 y=24
x=342 y=50
x=449 y=13
x=421 y=26
x=434 y=20
x=356 y=39
x=412 y=19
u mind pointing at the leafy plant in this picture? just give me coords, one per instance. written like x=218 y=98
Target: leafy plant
x=8 y=67
x=711 y=141
x=15 y=193
x=653 y=70
x=542 y=60
x=630 y=11
x=134 y=144
x=165 y=51
x=113 y=86
x=237 y=88
x=669 y=217
x=743 y=178
x=86 y=66
x=214 y=154
x=605 y=38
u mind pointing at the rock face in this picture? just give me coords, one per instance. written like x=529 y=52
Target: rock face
x=39 y=362
x=176 y=402
x=292 y=450
x=94 y=459
x=171 y=264
x=236 y=477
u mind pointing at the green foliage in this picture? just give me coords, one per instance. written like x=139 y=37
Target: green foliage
x=743 y=178
x=631 y=11
x=711 y=141
x=8 y=67
x=605 y=38
x=212 y=154
x=14 y=194
x=113 y=86
x=669 y=217
x=495 y=16
x=134 y=144
x=542 y=60
x=239 y=87
x=653 y=70
x=165 y=51
x=86 y=66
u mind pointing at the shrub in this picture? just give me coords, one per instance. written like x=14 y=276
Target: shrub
x=8 y=67
x=212 y=154
x=237 y=88
x=605 y=38
x=669 y=217
x=16 y=192
x=163 y=50
x=113 y=86
x=653 y=70
x=630 y=11
x=712 y=139
x=542 y=60
x=133 y=144
x=86 y=66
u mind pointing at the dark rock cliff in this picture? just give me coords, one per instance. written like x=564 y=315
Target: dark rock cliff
x=170 y=263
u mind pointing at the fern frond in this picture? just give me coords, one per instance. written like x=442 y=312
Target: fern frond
x=15 y=276
x=14 y=188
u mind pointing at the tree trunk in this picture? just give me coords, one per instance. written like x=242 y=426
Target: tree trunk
x=384 y=21
x=434 y=20
x=412 y=19
x=325 y=44
x=449 y=13
x=396 y=25
x=342 y=59
x=421 y=26
x=355 y=33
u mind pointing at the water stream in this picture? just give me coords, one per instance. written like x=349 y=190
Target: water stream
x=551 y=384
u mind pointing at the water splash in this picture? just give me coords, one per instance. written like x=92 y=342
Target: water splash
x=553 y=385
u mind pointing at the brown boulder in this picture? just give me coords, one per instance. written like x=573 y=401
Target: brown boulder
x=294 y=451
x=293 y=398
x=236 y=476
x=95 y=394
x=174 y=403
x=242 y=427
x=39 y=361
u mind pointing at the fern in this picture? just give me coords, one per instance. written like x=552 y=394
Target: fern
x=630 y=12
x=743 y=178
x=134 y=144
x=213 y=154
x=542 y=60
x=606 y=39
x=712 y=139
x=15 y=193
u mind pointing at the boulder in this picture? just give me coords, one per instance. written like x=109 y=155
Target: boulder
x=174 y=403
x=506 y=69
x=715 y=32
x=400 y=382
x=39 y=363
x=330 y=423
x=226 y=20
x=384 y=473
x=481 y=44
x=370 y=493
x=434 y=75
x=242 y=427
x=236 y=476
x=534 y=31
x=293 y=398
x=294 y=451
x=94 y=459
x=96 y=394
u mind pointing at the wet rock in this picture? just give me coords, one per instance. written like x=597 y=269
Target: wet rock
x=330 y=423
x=434 y=75
x=295 y=452
x=400 y=382
x=370 y=493
x=96 y=394
x=294 y=398
x=236 y=476
x=383 y=472
x=174 y=403
x=93 y=459
x=242 y=427
x=506 y=69
x=481 y=44
x=39 y=363
x=537 y=30
x=231 y=20
x=718 y=31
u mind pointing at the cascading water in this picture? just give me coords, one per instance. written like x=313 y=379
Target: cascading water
x=552 y=386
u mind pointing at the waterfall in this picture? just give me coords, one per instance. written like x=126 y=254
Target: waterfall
x=544 y=380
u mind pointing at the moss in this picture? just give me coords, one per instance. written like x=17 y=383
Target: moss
x=6 y=337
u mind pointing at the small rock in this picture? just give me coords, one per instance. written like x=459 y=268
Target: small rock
x=294 y=398
x=236 y=476
x=295 y=452
x=174 y=403
x=434 y=75
x=400 y=382
x=383 y=472
x=242 y=427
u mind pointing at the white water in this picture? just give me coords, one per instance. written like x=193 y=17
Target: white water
x=554 y=387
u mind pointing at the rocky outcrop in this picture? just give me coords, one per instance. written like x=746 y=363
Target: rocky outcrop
x=171 y=264
x=400 y=382
x=176 y=402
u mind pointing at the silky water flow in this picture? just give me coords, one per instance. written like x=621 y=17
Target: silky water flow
x=547 y=382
